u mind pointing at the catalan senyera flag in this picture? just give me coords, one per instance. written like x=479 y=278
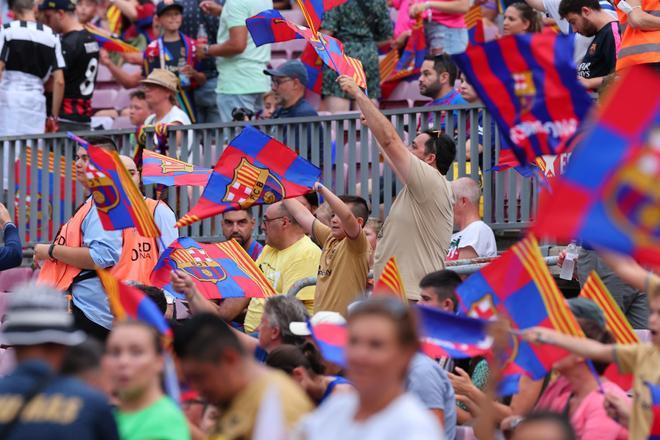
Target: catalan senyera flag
x=595 y=290
x=119 y=203
x=475 y=25
x=529 y=84
x=165 y=170
x=219 y=270
x=654 y=390
x=109 y=42
x=254 y=169
x=518 y=287
x=608 y=196
x=390 y=282
x=314 y=10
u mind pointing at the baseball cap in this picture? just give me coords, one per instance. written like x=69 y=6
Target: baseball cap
x=163 y=78
x=299 y=328
x=163 y=6
x=292 y=69
x=38 y=315
x=585 y=308
x=59 y=5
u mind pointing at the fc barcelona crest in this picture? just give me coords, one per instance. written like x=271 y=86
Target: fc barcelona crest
x=104 y=191
x=249 y=185
x=524 y=89
x=484 y=308
x=197 y=263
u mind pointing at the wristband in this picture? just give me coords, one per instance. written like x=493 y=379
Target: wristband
x=625 y=7
x=51 y=248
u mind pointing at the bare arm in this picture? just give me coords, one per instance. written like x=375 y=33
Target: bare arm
x=466 y=253
x=591 y=83
x=235 y=45
x=302 y=215
x=58 y=92
x=342 y=210
x=2 y=68
x=530 y=390
x=630 y=272
x=124 y=78
x=536 y=4
x=79 y=257
x=640 y=19
x=230 y=308
x=388 y=139
x=450 y=7
x=128 y=8
x=584 y=347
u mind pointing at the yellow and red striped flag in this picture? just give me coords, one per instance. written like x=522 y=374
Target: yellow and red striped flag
x=390 y=282
x=595 y=290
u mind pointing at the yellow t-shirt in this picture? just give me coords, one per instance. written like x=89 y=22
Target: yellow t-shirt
x=282 y=269
x=643 y=361
x=343 y=269
x=418 y=228
x=238 y=420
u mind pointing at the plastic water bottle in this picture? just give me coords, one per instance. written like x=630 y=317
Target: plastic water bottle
x=183 y=78
x=202 y=36
x=568 y=267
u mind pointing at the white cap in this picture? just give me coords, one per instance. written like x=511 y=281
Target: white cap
x=300 y=328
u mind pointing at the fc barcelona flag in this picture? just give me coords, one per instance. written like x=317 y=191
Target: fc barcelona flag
x=164 y=170
x=331 y=340
x=219 y=270
x=109 y=42
x=518 y=287
x=118 y=200
x=529 y=84
x=390 y=282
x=254 y=169
x=654 y=390
x=313 y=10
x=609 y=195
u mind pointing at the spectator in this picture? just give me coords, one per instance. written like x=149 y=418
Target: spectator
x=11 y=254
x=640 y=37
x=270 y=105
x=40 y=329
x=132 y=20
x=436 y=81
x=289 y=82
x=279 y=312
x=239 y=61
x=372 y=230
x=239 y=225
x=344 y=263
x=589 y=19
x=360 y=25
x=474 y=239
x=302 y=329
x=138 y=110
x=305 y=366
x=30 y=54
x=156 y=295
x=438 y=290
x=87 y=12
x=403 y=24
x=520 y=18
x=382 y=341
x=445 y=28
x=83 y=361
x=216 y=364
x=81 y=56
x=81 y=246
x=134 y=355
x=545 y=425
x=418 y=228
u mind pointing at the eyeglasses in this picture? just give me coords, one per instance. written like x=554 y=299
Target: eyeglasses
x=279 y=81
x=265 y=220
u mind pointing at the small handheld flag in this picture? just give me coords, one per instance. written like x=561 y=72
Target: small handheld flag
x=164 y=170
x=331 y=340
x=390 y=282
x=254 y=169
x=118 y=200
x=109 y=42
x=219 y=270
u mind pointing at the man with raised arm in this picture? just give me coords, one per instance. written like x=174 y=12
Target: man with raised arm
x=418 y=229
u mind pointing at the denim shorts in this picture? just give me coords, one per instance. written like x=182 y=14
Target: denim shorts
x=441 y=38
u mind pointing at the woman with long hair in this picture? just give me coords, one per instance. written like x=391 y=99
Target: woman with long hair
x=134 y=357
x=520 y=18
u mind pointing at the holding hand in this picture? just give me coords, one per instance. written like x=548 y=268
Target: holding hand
x=210 y=7
x=618 y=409
x=40 y=252
x=416 y=9
x=349 y=86
x=4 y=216
x=461 y=382
x=182 y=283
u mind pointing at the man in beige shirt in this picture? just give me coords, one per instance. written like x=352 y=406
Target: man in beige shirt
x=419 y=226
x=344 y=264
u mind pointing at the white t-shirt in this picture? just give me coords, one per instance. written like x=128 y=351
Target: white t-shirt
x=404 y=418
x=174 y=115
x=477 y=235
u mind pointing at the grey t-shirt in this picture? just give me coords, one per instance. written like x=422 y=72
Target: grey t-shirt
x=430 y=384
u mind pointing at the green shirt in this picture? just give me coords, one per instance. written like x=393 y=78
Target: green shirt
x=160 y=421
x=243 y=73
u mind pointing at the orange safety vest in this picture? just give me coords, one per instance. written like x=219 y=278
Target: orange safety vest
x=139 y=254
x=56 y=273
x=639 y=46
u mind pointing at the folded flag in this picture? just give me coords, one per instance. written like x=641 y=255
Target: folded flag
x=528 y=82
x=608 y=197
x=119 y=203
x=449 y=335
x=415 y=50
x=518 y=287
x=474 y=23
x=109 y=42
x=390 y=282
x=164 y=170
x=254 y=169
x=654 y=390
x=219 y=270
x=331 y=340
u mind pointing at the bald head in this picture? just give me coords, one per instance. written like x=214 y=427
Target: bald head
x=280 y=227
x=130 y=166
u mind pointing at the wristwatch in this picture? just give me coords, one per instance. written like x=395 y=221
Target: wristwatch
x=51 y=248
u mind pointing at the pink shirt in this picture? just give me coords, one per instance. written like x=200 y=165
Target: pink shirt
x=403 y=20
x=449 y=20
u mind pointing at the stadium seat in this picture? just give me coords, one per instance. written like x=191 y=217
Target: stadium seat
x=314 y=99
x=400 y=92
x=104 y=75
x=131 y=68
x=123 y=98
x=394 y=103
x=277 y=62
x=412 y=92
x=294 y=15
x=101 y=122
x=122 y=122
x=103 y=99
x=294 y=47
x=12 y=278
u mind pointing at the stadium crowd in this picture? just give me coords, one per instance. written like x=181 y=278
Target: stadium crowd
x=251 y=367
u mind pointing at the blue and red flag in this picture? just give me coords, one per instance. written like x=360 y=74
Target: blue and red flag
x=164 y=170
x=529 y=84
x=654 y=390
x=415 y=50
x=331 y=339
x=314 y=10
x=518 y=287
x=119 y=203
x=254 y=169
x=109 y=42
x=474 y=22
x=219 y=270
x=608 y=196
x=449 y=335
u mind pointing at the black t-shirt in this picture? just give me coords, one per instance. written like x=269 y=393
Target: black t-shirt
x=174 y=50
x=600 y=59
x=81 y=53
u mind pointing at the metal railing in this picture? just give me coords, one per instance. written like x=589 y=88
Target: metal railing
x=344 y=148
